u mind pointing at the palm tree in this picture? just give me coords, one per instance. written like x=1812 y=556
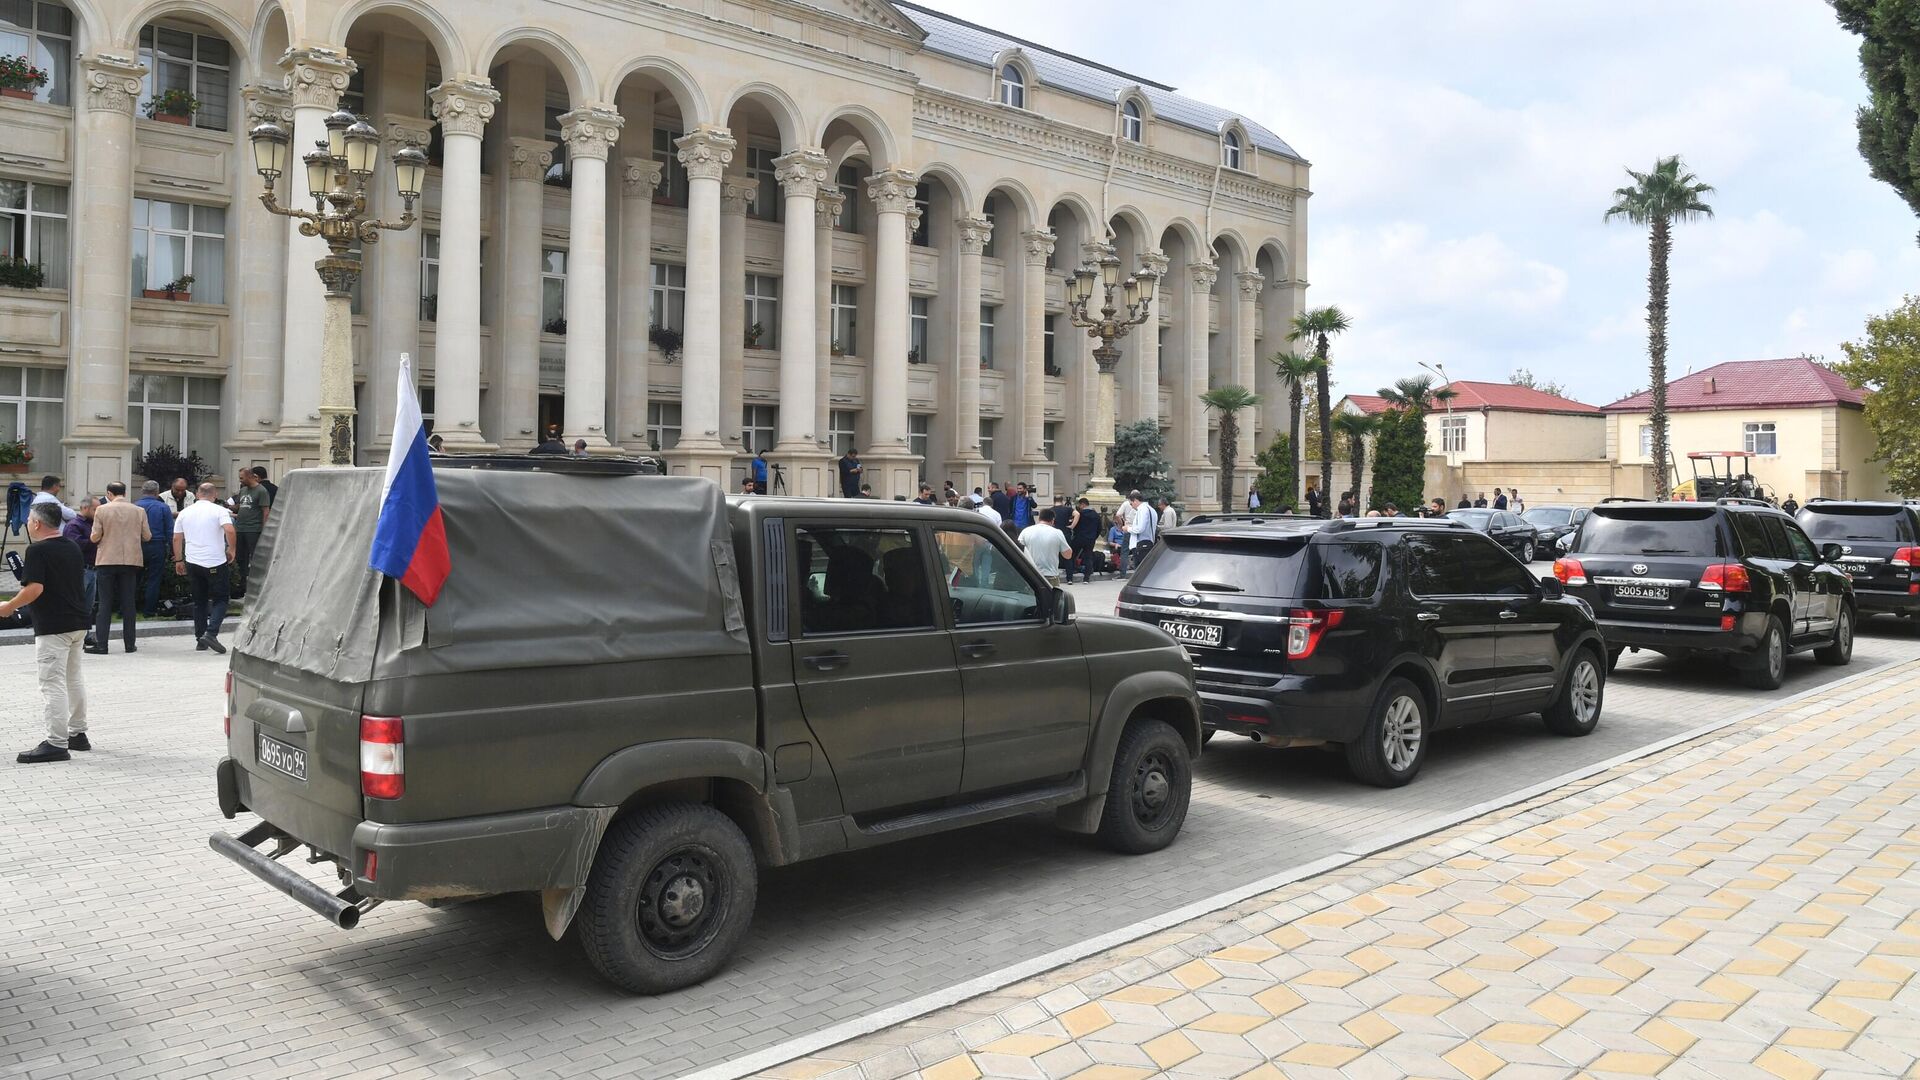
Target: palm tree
x=1296 y=368
x=1414 y=394
x=1356 y=427
x=1657 y=199
x=1229 y=401
x=1319 y=326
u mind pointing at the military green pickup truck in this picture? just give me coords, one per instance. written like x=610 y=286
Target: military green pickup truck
x=634 y=692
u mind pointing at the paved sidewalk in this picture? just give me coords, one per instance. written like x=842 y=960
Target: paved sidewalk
x=1743 y=905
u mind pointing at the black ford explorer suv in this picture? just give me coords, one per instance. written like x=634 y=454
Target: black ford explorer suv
x=1879 y=549
x=1735 y=578
x=1370 y=634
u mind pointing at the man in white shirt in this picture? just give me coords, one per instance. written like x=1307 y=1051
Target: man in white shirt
x=50 y=493
x=1045 y=544
x=985 y=509
x=203 y=548
x=1143 y=525
x=1168 y=518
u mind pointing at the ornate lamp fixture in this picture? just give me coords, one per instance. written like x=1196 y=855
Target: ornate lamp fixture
x=1116 y=316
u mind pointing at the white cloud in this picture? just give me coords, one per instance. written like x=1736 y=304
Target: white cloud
x=1732 y=248
x=1400 y=266
x=1852 y=271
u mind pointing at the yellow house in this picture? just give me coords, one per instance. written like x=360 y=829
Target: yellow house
x=1801 y=422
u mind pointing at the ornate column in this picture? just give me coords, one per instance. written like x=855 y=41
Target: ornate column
x=517 y=393
x=889 y=467
x=968 y=467
x=396 y=305
x=802 y=173
x=463 y=104
x=1146 y=345
x=315 y=77
x=1199 y=479
x=1245 y=364
x=639 y=176
x=826 y=213
x=736 y=194
x=590 y=132
x=705 y=153
x=1036 y=247
x=257 y=292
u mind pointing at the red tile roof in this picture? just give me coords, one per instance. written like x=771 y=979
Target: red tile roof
x=1506 y=396
x=1371 y=404
x=1795 y=382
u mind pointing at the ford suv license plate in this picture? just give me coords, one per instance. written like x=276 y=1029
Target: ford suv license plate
x=1187 y=633
x=1640 y=592
x=282 y=758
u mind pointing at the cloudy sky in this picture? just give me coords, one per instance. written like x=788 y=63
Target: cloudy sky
x=1464 y=151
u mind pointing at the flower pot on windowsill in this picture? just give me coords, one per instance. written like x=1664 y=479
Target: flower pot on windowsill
x=178 y=295
x=17 y=92
x=14 y=468
x=183 y=119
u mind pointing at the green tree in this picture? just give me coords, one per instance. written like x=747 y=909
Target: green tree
x=1399 y=460
x=1277 y=481
x=1656 y=200
x=1140 y=460
x=1523 y=377
x=1356 y=427
x=1320 y=326
x=1889 y=124
x=1229 y=401
x=1296 y=369
x=1887 y=362
x=1415 y=394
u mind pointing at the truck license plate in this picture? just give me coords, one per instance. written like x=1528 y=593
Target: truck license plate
x=282 y=758
x=1188 y=633
x=1639 y=592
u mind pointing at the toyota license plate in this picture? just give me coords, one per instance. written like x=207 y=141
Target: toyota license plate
x=1640 y=592
x=1187 y=633
x=281 y=758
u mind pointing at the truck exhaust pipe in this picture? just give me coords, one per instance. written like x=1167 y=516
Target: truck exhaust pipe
x=342 y=910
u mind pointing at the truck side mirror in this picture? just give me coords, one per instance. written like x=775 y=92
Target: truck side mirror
x=1062 y=607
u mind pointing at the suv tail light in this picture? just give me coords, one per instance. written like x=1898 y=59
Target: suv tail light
x=227 y=721
x=1906 y=557
x=1726 y=577
x=383 y=757
x=1306 y=627
x=1569 y=571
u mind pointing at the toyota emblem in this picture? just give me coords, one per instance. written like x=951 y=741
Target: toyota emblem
x=1190 y=599
x=1846 y=549
x=1639 y=568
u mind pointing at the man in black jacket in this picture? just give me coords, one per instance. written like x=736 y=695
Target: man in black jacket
x=52 y=590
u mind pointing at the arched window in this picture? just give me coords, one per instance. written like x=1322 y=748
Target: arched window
x=1130 y=121
x=1230 y=150
x=1013 y=87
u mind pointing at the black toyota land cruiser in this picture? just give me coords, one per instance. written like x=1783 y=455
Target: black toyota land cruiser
x=1735 y=578
x=1879 y=549
x=1368 y=634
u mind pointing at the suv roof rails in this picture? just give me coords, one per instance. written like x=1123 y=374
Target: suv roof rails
x=1622 y=498
x=1250 y=516
x=1396 y=523
x=1736 y=500
x=554 y=463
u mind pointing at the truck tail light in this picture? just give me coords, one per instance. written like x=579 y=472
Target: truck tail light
x=1569 y=571
x=1726 y=577
x=1726 y=622
x=1305 y=628
x=227 y=721
x=373 y=865
x=383 y=757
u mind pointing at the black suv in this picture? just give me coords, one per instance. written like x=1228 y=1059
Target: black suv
x=1368 y=633
x=1879 y=549
x=1735 y=578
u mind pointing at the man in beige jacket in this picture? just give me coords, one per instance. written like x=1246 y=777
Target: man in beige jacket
x=120 y=531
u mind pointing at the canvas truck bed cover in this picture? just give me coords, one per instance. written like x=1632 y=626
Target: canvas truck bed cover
x=547 y=569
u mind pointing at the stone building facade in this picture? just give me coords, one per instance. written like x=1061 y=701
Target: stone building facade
x=702 y=228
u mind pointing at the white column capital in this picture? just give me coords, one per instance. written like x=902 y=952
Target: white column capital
x=737 y=193
x=528 y=159
x=113 y=82
x=1037 y=244
x=914 y=214
x=1153 y=264
x=464 y=104
x=266 y=102
x=404 y=131
x=317 y=75
x=827 y=206
x=706 y=151
x=1250 y=282
x=1204 y=274
x=641 y=175
x=892 y=190
x=802 y=171
x=1092 y=252
x=590 y=131
x=974 y=232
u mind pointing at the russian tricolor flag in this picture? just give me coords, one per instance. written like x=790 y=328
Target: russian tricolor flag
x=410 y=539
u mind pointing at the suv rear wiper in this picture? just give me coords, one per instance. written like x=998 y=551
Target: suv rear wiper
x=1663 y=551
x=1215 y=586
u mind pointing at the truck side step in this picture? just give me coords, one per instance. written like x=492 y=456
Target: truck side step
x=992 y=808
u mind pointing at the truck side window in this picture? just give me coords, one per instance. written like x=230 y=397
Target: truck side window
x=861 y=580
x=985 y=585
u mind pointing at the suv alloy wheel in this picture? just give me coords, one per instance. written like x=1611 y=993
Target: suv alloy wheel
x=1577 y=710
x=1391 y=747
x=1840 y=651
x=1769 y=668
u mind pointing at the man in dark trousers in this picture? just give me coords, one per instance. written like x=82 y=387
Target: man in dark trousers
x=251 y=505
x=1086 y=533
x=153 y=555
x=850 y=474
x=120 y=534
x=50 y=588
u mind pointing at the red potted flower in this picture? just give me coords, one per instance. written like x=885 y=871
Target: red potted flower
x=180 y=288
x=20 y=79
x=15 y=457
x=173 y=107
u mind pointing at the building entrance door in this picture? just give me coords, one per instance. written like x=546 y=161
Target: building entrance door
x=552 y=413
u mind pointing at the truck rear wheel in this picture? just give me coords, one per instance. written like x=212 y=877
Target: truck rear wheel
x=671 y=894
x=1152 y=783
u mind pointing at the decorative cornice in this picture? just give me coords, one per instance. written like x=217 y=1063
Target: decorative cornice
x=1204 y=275
x=1250 y=282
x=404 y=131
x=737 y=192
x=266 y=102
x=590 y=132
x=827 y=206
x=113 y=82
x=706 y=152
x=1091 y=253
x=641 y=175
x=528 y=159
x=1153 y=264
x=316 y=76
x=972 y=233
x=802 y=172
x=892 y=190
x=914 y=217
x=1038 y=245
x=464 y=104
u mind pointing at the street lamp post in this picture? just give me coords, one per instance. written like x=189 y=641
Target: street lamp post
x=338 y=170
x=1441 y=370
x=1113 y=321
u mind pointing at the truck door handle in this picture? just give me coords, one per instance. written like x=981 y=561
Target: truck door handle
x=825 y=661
x=1428 y=616
x=974 y=650
x=1509 y=614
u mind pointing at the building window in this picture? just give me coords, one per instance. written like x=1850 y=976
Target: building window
x=673 y=175
x=765 y=203
x=429 y=276
x=1013 y=87
x=1046 y=345
x=988 y=210
x=986 y=438
x=923 y=201
x=198 y=64
x=757 y=424
x=560 y=173
x=846 y=319
x=663 y=424
x=1131 y=122
x=1453 y=434
x=1762 y=438
x=763 y=311
x=172 y=240
x=919 y=324
x=840 y=424
x=669 y=301
x=848 y=181
x=43 y=33
x=177 y=411
x=553 y=292
x=1050 y=439
x=426 y=409
x=987 y=314
x=354 y=97
x=32 y=409
x=1646 y=440
x=33 y=226
x=1230 y=150
x=918 y=425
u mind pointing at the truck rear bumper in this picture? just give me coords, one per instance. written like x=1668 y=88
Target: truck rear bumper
x=1886 y=602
